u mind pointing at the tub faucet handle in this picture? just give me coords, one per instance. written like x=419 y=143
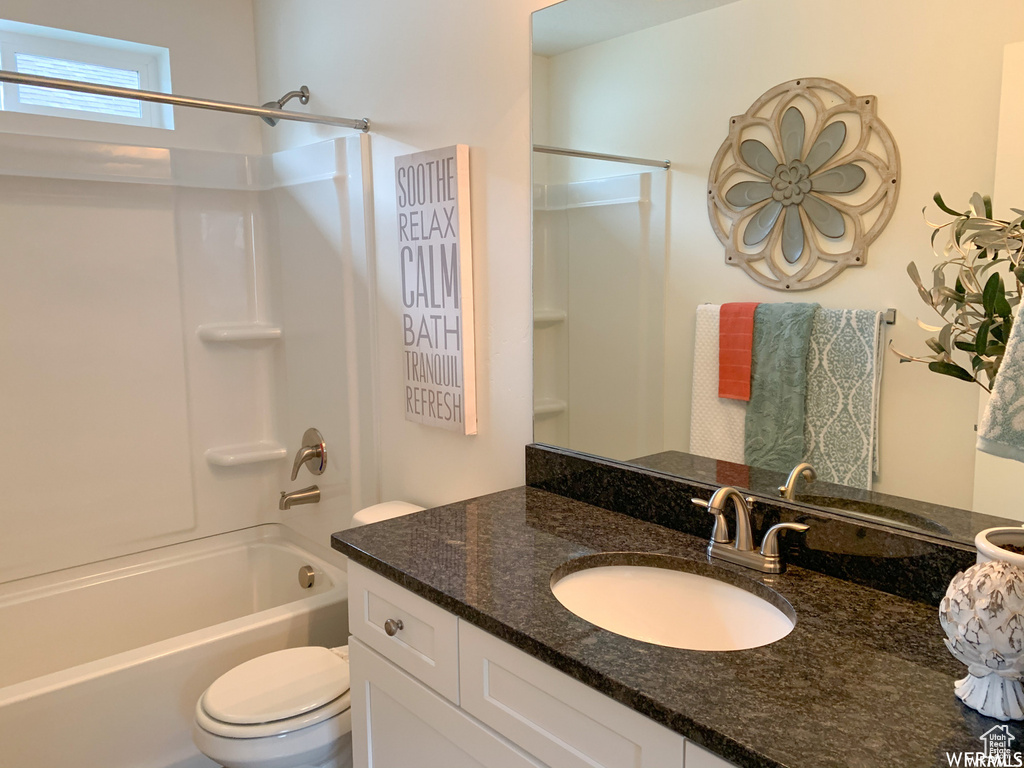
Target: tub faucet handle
x=313 y=453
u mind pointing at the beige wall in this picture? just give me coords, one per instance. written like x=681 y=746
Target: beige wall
x=430 y=75
x=939 y=95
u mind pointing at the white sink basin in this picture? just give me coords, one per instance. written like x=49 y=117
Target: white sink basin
x=666 y=606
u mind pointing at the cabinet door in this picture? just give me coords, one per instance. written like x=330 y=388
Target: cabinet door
x=552 y=716
x=397 y=722
x=698 y=757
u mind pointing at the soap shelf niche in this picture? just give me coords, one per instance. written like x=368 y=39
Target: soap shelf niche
x=239 y=332
x=246 y=453
x=257 y=451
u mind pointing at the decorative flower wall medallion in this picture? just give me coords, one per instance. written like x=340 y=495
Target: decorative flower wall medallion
x=805 y=182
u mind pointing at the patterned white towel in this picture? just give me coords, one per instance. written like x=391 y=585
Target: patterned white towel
x=716 y=424
x=844 y=377
x=1001 y=431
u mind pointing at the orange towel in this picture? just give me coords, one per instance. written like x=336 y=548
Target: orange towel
x=736 y=475
x=735 y=344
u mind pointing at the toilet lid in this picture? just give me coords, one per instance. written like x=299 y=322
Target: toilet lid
x=277 y=686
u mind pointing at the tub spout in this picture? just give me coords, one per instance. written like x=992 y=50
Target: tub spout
x=310 y=495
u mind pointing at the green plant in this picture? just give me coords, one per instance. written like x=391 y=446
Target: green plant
x=974 y=289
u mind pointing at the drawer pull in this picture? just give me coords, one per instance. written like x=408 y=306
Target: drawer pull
x=391 y=627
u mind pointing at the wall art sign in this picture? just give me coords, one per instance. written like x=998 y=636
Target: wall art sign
x=806 y=180
x=436 y=252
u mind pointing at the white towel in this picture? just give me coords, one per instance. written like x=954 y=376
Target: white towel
x=716 y=424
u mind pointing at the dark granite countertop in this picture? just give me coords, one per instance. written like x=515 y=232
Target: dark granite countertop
x=863 y=680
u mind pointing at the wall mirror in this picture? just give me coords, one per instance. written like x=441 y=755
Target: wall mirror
x=624 y=253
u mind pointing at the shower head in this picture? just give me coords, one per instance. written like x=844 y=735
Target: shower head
x=302 y=94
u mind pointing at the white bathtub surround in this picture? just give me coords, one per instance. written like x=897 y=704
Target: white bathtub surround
x=599 y=259
x=982 y=615
x=181 y=301
x=120 y=651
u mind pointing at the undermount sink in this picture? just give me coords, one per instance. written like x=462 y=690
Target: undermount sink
x=672 y=602
x=878 y=513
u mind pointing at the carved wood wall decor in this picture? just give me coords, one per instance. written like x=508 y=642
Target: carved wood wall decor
x=806 y=180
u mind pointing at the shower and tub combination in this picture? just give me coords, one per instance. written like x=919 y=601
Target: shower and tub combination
x=169 y=377
x=107 y=661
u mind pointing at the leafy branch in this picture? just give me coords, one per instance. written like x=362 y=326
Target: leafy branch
x=974 y=289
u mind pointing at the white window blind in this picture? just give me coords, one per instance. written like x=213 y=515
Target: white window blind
x=50 y=52
x=82 y=72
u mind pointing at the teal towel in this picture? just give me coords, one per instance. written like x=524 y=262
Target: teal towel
x=844 y=376
x=1001 y=431
x=778 y=386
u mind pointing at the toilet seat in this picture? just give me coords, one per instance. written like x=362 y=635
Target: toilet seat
x=277 y=693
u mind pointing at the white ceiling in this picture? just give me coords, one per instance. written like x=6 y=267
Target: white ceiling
x=576 y=23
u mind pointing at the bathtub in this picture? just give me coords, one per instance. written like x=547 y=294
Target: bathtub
x=101 y=665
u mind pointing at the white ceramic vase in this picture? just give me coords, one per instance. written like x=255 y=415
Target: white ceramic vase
x=982 y=615
x=991 y=541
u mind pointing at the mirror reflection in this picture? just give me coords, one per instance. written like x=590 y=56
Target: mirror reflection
x=625 y=255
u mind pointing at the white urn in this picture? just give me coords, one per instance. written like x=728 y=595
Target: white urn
x=982 y=615
x=994 y=543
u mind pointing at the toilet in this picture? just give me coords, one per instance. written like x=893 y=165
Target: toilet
x=286 y=709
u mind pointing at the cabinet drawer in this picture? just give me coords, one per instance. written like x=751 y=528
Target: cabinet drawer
x=550 y=715
x=426 y=646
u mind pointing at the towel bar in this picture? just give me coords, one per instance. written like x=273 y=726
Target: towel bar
x=890 y=316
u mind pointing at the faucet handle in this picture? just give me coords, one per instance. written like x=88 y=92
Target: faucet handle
x=720 y=531
x=770 y=543
x=314 y=450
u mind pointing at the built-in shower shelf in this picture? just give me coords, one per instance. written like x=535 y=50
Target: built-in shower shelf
x=246 y=453
x=546 y=406
x=238 y=331
x=545 y=317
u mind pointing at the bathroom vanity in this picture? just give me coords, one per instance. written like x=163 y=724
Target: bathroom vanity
x=487 y=668
x=441 y=691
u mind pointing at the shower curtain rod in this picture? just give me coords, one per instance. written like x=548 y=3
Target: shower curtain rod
x=599 y=156
x=20 y=78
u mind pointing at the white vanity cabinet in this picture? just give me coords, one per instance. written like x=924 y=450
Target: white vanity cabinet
x=397 y=722
x=442 y=693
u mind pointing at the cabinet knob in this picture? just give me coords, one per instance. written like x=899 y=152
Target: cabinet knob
x=391 y=627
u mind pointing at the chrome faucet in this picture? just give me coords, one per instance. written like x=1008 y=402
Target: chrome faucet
x=312 y=454
x=741 y=551
x=310 y=495
x=788 y=491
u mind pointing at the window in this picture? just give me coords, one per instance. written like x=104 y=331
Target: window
x=49 y=52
